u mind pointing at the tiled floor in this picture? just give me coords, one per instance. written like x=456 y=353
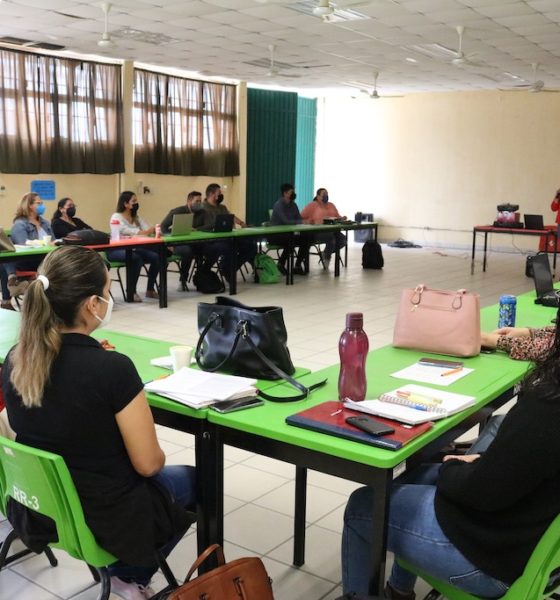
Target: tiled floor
x=259 y=490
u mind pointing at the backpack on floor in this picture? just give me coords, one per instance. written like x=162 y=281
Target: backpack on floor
x=207 y=282
x=372 y=256
x=266 y=270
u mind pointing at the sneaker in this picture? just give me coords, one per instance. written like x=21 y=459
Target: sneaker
x=146 y=590
x=126 y=591
x=17 y=286
x=152 y=294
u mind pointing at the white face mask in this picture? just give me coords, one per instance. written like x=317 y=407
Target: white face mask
x=105 y=320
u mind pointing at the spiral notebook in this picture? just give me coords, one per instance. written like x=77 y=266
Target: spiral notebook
x=413 y=404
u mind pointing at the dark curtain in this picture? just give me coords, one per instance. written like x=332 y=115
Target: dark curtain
x=59 y=115
x=183 y=126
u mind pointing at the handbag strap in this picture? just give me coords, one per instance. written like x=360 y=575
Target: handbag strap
x=210 y=550
x=198 y=353
x=242 y=331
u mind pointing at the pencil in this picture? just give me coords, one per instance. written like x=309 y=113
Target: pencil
x=452 y=372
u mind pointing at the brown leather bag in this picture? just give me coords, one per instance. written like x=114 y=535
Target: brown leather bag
x=241 y=579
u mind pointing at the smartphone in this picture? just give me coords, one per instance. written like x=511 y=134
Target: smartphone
x=370 y=425
x=437 y=362
x=487 y=350
x=228 y=406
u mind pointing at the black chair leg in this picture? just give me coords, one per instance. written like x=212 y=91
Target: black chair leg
x=105 y=579
x=167 y=573
x=5 y=548
x=52 y=558
x=95 y=573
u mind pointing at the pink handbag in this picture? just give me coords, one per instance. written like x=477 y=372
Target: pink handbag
x=438 y=321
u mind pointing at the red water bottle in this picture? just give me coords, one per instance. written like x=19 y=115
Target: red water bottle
x=353 y=348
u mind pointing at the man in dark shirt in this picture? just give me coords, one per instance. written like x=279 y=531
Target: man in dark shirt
x=246 y=249
x=286 y=212
x=187 y=252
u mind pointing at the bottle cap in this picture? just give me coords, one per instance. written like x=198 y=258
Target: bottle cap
x=354 y=320
x=507 y=299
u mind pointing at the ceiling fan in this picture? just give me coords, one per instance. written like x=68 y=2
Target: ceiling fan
x=106 y=41
x=460 y=59
x=274 y=70
x=535 y=87
x=372 y=93
x=328 y=10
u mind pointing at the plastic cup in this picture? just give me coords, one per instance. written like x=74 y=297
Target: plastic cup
x=47 y=239
x=180 y=357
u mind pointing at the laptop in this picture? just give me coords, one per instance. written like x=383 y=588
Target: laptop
x=544 y=288
x=534 y=222
x=182 y=224
x=6 y=244
x=223 y=223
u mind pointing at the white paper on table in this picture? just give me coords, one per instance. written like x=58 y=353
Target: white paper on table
x=191 y=382
x=429 y=374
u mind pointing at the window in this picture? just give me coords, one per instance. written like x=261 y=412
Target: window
x=59 y=115
x=183 y=126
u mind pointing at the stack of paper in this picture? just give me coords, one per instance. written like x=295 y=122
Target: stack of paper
x=198 y=389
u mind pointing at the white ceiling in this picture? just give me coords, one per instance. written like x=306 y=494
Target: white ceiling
x=220 y=38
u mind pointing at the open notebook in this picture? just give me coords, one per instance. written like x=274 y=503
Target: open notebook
x=413 y=404
x=198 y=389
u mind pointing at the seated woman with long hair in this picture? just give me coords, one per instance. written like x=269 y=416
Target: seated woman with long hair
x=65 y=394
x=474 y=520
x=131 y=224
x=64 y=220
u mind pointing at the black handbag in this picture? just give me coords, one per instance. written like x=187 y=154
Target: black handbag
x=246 y=341
x=86 y=237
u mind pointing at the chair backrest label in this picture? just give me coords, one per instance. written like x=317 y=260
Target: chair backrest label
x=21 y=497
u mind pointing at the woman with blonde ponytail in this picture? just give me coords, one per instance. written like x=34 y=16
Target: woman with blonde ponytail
x=64 y=393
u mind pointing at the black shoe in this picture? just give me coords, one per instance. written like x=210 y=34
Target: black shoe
x=282 y=269
x=299 y=270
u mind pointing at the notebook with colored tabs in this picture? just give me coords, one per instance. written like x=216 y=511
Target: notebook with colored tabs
x=328 y=418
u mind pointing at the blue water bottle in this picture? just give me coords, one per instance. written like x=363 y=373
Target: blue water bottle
x=506 y=314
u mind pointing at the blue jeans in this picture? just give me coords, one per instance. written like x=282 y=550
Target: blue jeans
x=139 y=257
x=487 y=435
x=180 y=482
x=413 y=534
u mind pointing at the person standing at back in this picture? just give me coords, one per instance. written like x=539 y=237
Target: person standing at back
x=286 y=212
x=555 y=207
x=65 y=394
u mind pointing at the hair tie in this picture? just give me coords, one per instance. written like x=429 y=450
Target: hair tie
x=44 y=280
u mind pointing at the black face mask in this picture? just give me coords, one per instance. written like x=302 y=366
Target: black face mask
x=220 y=199
x=134 y=209
x=293 y=196
x=71 y=211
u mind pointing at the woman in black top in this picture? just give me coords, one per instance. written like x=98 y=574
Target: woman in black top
x=65 y=394
x=474 y=520
x=64 y=220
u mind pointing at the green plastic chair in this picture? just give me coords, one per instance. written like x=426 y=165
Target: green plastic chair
x=41 y=481
x=538 y=581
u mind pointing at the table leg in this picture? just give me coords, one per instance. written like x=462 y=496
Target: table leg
x=299 y=516
x=129 y=278
x=375 y=232
x=209 y=453
x=381 y=497
x=291 y=247
x=232 y=269
x=162 y=276
x=336 y=257
x=473 y=250
x=485 y=250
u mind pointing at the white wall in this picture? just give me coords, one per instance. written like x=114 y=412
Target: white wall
x=440 y=161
